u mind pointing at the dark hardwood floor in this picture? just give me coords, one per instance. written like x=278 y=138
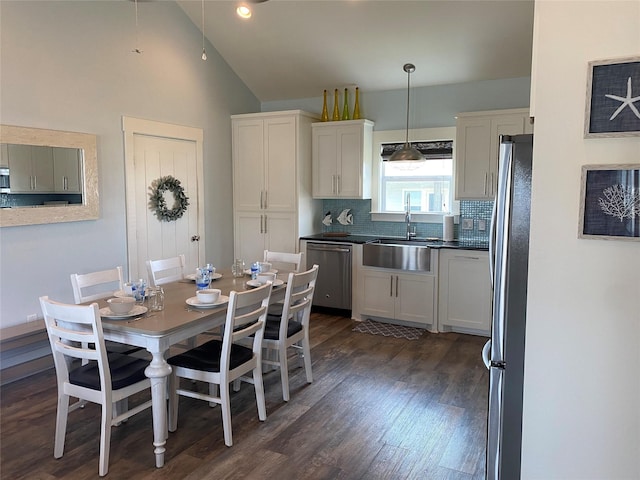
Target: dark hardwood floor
x=379 y=408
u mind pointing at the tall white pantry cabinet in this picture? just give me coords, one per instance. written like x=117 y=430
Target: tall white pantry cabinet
x=272 y=204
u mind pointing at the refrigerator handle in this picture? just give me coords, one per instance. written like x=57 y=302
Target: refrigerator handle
x=486 y=352
x=492 y=241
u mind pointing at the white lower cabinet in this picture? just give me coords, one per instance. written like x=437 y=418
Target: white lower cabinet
x=398 y=295
x=257 y=232
x=464 y=292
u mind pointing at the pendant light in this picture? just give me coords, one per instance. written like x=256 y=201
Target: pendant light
x=407 y=152
x=204 y=53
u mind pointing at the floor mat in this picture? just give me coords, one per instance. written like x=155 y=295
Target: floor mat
x=388 y=330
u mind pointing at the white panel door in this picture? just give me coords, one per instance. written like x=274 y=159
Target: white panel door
x=175 y=151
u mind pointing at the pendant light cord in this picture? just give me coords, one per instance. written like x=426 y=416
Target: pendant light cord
x=407 y=69
x=204 y=53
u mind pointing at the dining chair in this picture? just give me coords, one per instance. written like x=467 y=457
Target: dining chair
x=88 y=287
x=290 y=262
x=291 y=328
x=166 y=270
x=106 y=379
x=220 y=362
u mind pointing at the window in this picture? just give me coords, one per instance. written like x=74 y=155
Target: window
x=424 y=187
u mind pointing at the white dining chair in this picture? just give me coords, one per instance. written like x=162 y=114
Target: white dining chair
x=166 y=270
x=291 y=262
x=106 y=379
x=220 y=362
x=291 y=328
x=88 y=287
x=289 y=320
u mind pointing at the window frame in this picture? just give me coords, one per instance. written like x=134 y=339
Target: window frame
x=398 y=136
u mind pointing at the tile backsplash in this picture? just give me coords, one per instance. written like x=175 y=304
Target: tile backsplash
x=477 y=212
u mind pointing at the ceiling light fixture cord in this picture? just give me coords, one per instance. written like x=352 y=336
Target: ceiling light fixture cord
x=136 y=49
x=409 y=68
x=204 y=53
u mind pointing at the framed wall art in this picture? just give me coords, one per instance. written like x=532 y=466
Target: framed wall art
x=613 y=98
x=610 y=202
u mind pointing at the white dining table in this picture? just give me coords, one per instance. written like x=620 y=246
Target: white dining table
x=157 y=331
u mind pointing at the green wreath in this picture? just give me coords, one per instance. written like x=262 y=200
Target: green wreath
x=158 y=204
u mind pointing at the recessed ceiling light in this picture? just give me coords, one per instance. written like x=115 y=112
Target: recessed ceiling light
x=243 y=11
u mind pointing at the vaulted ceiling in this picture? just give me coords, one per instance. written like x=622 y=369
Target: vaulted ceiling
x=293 y=49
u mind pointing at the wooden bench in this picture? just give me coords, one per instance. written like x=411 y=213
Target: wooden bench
x=24 y=350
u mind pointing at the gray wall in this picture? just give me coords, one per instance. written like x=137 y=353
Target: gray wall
x=69 y=66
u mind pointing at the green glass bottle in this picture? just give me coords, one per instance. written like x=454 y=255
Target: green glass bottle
x=336 y=110
x=325 y=112
x=345 y=108
x=356 y=106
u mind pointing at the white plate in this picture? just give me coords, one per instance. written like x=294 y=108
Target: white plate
x=248 y=271
x=194 y=302
x=192 y=276
x=255 y=283
x=135 y=311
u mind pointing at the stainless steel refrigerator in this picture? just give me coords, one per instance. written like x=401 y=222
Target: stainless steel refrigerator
x=504 y=352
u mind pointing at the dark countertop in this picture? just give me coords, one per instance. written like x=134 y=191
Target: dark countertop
x=433 y=243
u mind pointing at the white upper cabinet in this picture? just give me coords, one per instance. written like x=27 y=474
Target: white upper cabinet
x=272 y=182
x=341 y=159
x=477 y=149
x=264 y=163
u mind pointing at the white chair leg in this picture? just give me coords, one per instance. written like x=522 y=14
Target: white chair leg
x=61 y=425
x=306 y=352
x=259 y=386
x=226 y=414
x=105 y=438
x=236 y=385
x=284 y=371
x=173 y=402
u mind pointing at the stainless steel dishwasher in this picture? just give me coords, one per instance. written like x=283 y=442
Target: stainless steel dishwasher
x=333 y=286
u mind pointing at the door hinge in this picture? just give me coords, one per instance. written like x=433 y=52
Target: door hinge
x=195 y=238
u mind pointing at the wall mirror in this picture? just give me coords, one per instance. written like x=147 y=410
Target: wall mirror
x=47 y=176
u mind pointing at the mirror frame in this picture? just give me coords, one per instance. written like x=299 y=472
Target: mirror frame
x=90 y=207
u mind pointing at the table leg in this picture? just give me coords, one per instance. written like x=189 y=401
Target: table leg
x=158 y=371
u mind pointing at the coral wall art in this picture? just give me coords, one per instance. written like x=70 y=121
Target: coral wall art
x=610 y=202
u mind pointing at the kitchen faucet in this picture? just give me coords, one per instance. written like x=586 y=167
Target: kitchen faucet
x=407 y=218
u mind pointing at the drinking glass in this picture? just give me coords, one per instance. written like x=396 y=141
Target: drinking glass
x=237 y=269
x=203 y=279
x=139 y=287
x=211 y=268
x=156 y=299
